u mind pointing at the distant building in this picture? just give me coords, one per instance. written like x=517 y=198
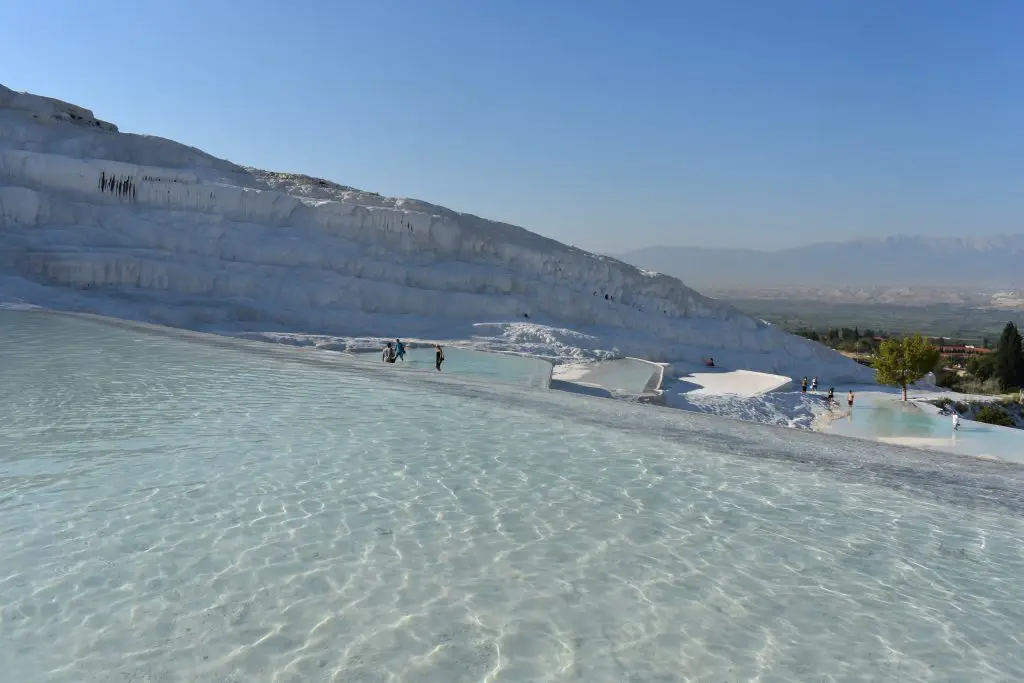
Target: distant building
x=960 y=351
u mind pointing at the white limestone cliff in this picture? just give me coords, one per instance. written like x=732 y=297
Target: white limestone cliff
x=142 y=227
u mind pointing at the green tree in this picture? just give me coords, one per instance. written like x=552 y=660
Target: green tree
x=994 y=415
x=808 y=333
x=862 y=346
x=982 y=367
x=905 y=360
x=1009 y=363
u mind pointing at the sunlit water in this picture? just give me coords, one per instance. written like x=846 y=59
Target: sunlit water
x=889 y=418
x=178 y=510
x=494 y=367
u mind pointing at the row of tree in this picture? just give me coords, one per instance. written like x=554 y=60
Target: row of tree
x=868 y=341
x=904 y=360
x=844 y=338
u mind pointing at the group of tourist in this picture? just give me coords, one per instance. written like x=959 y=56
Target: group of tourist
x=120 y=186
x=831 y=392
x=393 y=352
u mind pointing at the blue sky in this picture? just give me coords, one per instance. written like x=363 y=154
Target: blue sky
x=605 y=124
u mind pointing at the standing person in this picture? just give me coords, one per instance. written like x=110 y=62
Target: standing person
x=803 y=386
x=831 y=396
x=956 y=421
x=388 y=355
x=438 y=357
x=849 y=399
x=400 y=350
x=814 y=384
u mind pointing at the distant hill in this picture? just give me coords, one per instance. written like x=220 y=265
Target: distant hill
x=995 y=262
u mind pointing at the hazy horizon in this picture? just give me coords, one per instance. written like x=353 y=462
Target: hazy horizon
x=978 y=236
x=599 y=124
x=971 y=263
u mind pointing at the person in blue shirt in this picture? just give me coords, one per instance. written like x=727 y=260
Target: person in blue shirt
x=400 y=350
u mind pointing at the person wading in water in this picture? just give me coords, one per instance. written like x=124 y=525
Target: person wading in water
x=438 y=357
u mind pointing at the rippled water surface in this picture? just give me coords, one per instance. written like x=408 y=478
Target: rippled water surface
x=181 y=510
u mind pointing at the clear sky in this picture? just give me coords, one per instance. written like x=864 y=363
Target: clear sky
x=609 y=124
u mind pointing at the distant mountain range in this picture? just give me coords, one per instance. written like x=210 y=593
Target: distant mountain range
x=992 y=262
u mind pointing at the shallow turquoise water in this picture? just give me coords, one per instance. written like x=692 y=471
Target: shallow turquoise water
x=891 y=418
x=174 y=508
x=494 y=367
